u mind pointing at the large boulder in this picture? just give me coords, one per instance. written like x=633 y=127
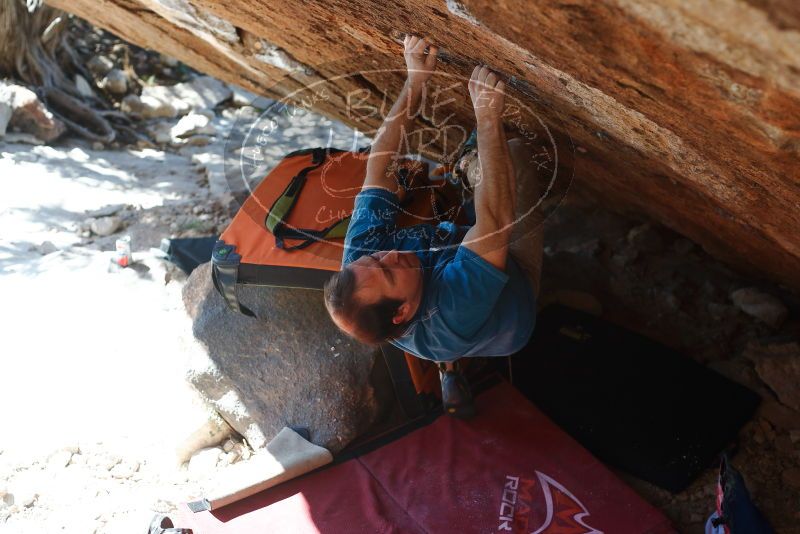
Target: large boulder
x=292 y=367
x=685 y=113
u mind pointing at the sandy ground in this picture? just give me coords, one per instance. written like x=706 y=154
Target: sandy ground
x=91 y=379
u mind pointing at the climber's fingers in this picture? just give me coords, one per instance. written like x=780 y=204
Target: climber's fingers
x=430 y=61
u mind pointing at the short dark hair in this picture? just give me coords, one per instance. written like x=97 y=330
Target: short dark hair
x=372 y=322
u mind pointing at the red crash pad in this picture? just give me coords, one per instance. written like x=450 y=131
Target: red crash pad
x=510 y=469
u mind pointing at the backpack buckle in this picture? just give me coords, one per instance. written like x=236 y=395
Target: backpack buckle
x=224 y=254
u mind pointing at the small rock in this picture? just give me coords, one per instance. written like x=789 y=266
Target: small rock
x=115 y=82
x=169 y=61
x=106 y=211
x=97 y=145
x=229 y=444
x=231 y=114
x=160 y=133
x=5 y=117
x=193 y=124
x=47 y=248
x=131 y=104
x=198 y=140
x=153 y=108
x=204 y=460
x=646 y=238
x=29 y=114
x=760 y=305
x=201 y=93
x=83 y=86
x=100 y=65
x=246 y=113
x=149 y=107
x=105 y=226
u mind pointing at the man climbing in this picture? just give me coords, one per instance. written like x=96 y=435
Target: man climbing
x=448 y=291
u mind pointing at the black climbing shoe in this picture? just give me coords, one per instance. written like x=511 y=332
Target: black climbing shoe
x=456 y=395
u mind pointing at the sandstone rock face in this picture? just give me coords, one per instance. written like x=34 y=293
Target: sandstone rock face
x=778 y=365
x=685 y=111
x=290 y=368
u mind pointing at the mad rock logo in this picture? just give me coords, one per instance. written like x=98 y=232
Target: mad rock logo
x=541 y=506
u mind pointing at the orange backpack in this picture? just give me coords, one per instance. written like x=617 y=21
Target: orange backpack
x=290 y=230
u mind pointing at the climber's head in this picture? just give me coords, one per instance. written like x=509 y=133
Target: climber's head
x=373 y=298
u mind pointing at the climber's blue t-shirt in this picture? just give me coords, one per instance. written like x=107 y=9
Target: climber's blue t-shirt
x=469 y=307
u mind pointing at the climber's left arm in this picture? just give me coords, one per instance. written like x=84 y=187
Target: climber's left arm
x=390 y=137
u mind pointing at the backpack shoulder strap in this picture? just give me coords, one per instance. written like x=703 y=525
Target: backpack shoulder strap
x=279 y=211
x=225 y=275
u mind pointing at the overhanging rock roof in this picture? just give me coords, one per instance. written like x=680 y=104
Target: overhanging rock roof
x=686 y=111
